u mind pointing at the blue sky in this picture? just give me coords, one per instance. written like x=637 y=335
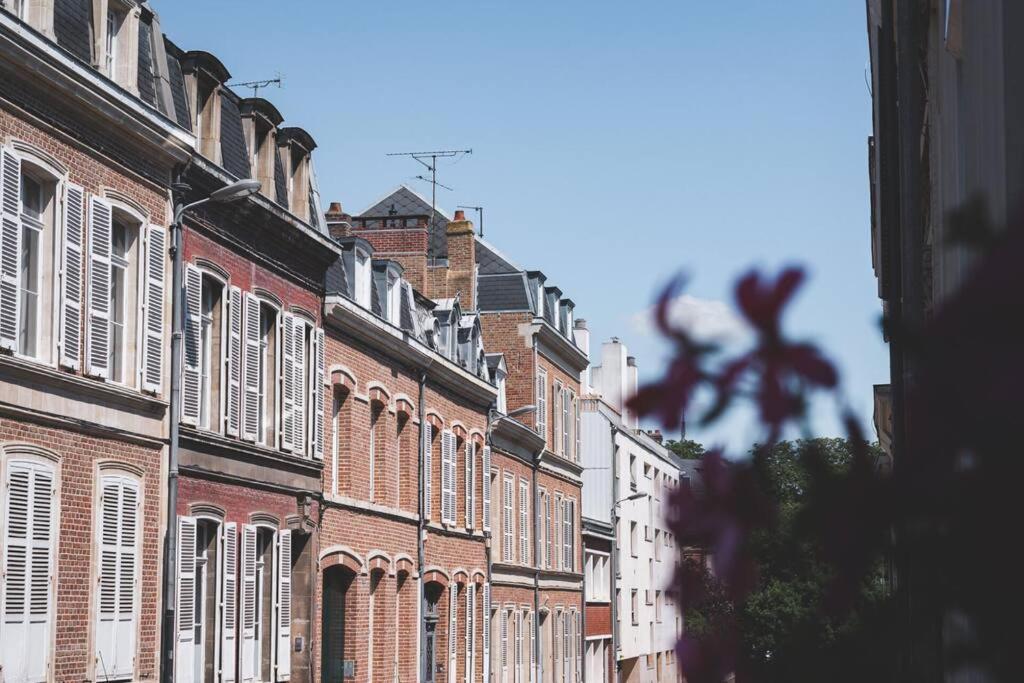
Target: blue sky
x=614 y=143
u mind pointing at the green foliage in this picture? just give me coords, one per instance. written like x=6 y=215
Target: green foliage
x=686 y=449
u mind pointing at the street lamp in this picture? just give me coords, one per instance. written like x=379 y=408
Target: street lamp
x=234 y=192
x=633 y=496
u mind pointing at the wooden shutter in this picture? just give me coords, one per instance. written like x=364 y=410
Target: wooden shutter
x=186 y=594
x=453 y=610
x=567 y=512
x=556 y=533
x=234 y=356
x=288 y=383
x=576 y=409
x=317 y=394
x=117 y=620
x=487 y=632
x=533 y=646
x=508 y=520
x=556 y=421
x=542 y=403
x=251 y=408
x=566 y=423
x=153 y=314
x=10 y=248
x=97 y=337
x=565 y=646
x=71 y=277
x=283 y=623
x=470 y=455
x=428 y=458
x=524 y=522
x=447 y=477
x=503 y=642
x=26 y=583
x=190 y=390
x=229 y=605
x=485 y=482
x=247 y=604
x=469 y=632
x=299 y=375
x=547 y=529
x=519 y=647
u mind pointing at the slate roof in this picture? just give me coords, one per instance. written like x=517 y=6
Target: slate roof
x=404 y=201
x=490 y=262
x=145 y=78
x=502 y=292
x=234 y=153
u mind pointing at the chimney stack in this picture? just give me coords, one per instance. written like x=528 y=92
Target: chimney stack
x=461 y=276
x=337 y=221
x=582 y=336
x=632 y=384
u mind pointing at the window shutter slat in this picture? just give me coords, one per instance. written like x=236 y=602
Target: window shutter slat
x=251 y=404
x=234 y=358
x=71 y=277
x=299 y=375
x=183 y=664
x=468 y=495
x=469 y=632
x=508 y=523
x=10 y=248
x=193 y=326
x=447 y=478
x=533 y=646
x=428 y=480
x=229 y=611
x=282 y=649
x=487 y=631
x=97 y=338
x=453 y=609
x=486 y=484
x=153 y=344
x=288 y=383
x=319 y=378
x=247 y=603
x=524 y=521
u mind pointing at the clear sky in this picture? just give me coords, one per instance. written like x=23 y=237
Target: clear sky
x=614 y=143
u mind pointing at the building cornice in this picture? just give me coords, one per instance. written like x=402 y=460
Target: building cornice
x=344 y=315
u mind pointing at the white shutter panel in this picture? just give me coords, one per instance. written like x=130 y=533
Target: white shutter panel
x=193 y=325
x=299 y=372
x=503 y=642
x=566 y=535
x=234 y=356
x=486 y=484
x=117 y=535
x=469 y=632
x=10 y=248
x=487 y=632
x=229 y=606
x=97 y=338
x=542 y=403
x=153 y=317
x=469 y=484
x=524 y=521
x=319 y=377
x=519 y=646
x=288 y=383
x=25 y=582
x=533 y=647
x=453 y=609
x=547 y=529
x=283 y=640
x=507 y=520
x=576 y=408
x=428 y=482
x=247 y=604
x=71 y=277
x=557 y=533
x=447 y=478
x=251 y=404
x=578 y=646
x=556 y=419
x=186 y=593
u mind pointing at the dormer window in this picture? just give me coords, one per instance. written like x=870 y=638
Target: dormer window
x=394 y=298
x=260 y=120
x=207 y=115
x=499 y=382
x=19 y=8
x=296 y=150
x=540 y=299
x=361 y=288
x=116 y=41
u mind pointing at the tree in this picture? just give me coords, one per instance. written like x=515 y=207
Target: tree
x=686 y=449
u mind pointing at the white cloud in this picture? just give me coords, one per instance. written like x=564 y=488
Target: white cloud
x=706 y=319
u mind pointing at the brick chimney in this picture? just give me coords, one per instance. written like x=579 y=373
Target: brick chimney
x=462 y=260
x=338 y=221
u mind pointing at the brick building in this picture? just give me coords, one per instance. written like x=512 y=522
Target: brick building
x=89 y=146
x=536 y=607
x=407 y=460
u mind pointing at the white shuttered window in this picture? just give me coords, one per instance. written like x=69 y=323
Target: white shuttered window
x=97 y=336
x=283 y=598
x=229 y=598
x=508 y=519
x=10 y=249
x=448 y=477
x=186 y=595
x=153 y=312
x=428 y=466
x=524 y=521
x=485 y=480
x=72 y=274
x=192 y=342
x=118 y=535
x=26 y=581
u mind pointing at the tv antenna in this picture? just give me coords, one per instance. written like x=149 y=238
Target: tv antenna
x=422 y=157
x=258 y=85
x=479 y=212
x=435 y=182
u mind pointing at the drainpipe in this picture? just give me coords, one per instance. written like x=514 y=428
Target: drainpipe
x=421 y=635
x=536 y=511
x=615 y=555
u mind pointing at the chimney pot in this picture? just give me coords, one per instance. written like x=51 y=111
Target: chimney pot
x=580 y=324
x=334 y=208
x=460 y=215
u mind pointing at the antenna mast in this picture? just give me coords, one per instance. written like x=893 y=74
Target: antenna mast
x=432 y=167
x=479 y=212
x=257 y=85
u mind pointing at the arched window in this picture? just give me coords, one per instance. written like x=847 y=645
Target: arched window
x=341 y=443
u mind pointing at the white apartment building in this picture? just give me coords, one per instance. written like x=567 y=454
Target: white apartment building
x=627 y=479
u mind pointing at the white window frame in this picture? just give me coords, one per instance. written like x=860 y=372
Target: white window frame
x=361 y=287
x=542 y=402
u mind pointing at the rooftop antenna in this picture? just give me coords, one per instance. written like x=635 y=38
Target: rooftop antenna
x=257 y=85
x=479 y=212
x=435 y=182
x=432 y=167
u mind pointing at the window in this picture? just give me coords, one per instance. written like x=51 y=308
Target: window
x=633 y=541
x=542 y=402
x=657 y=606
x=632 y=472
x=448 y=458
x=266 y=374
x=18 y=8
x=634 y=607
x=117 y=538
x=211 y=346
x=577 y=453
x=568 y=541
x=394 y=299
x=376 y=449
x=657 y=545
x=540 y=299
x=548 y=558
x=524 y=521
x=30 y=506
x=597 y=580
x=207 y=113
x=567 y=422
x=114 y=20
x=123 y=292
x=557 y=421
x=499 y=382
x=362 y=278
x=508 y=519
